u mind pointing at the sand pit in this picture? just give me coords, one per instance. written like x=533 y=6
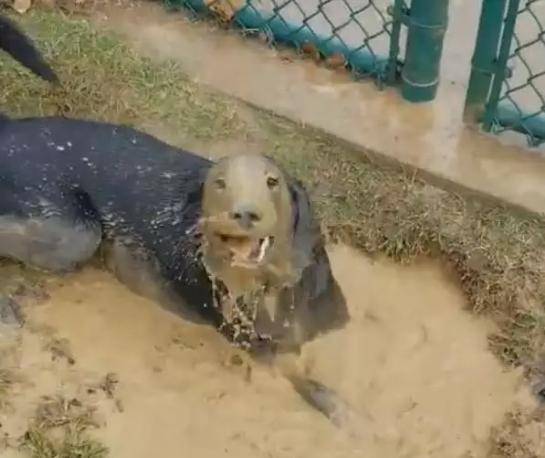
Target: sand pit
x=412 y=364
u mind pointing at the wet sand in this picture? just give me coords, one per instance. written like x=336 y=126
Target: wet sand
x=412 y=364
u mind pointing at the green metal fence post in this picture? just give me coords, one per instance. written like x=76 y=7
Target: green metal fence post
x=484 y=59
x=398 y=12
x=427 y=23
x=501 y=65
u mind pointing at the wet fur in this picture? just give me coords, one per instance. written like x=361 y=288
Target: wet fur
x=68 y=185
x=69 y=188
x=295 y=277
x=245 y=191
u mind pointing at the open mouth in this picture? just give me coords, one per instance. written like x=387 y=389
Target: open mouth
x=246 y=251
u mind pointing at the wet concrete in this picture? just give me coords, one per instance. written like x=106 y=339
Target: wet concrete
x=430 y=137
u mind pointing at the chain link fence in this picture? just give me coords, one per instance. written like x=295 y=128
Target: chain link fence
x=508 y=76
x=522 y=99
x=361 y=35
x=401 y=41
x=366 y=37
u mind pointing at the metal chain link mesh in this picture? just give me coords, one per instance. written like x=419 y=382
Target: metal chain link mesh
x=523 y=91
x=347 y=33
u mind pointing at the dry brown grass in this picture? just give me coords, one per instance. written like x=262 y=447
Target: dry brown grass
x=59 y=430
x=497 y=253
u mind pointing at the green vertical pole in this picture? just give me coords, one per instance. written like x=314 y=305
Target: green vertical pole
x=484 y=59
x=397 y=11
x=501 y=64
x=427 y=23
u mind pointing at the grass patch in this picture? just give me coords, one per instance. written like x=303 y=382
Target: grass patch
x=38 y=445
x=104 y=79
x=59 y=431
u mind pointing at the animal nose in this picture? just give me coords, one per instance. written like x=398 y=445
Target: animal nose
x=246 y=217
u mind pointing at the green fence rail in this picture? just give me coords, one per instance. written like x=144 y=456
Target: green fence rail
x=394 y=42
x=506 y=91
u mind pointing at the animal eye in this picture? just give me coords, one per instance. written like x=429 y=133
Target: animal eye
x=220 y=183
x=272 y=182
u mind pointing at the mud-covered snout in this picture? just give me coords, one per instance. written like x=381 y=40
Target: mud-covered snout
x=241 y=236
x=247 y=216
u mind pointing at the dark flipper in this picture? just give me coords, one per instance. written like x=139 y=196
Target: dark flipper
x=21 y=48
x=329 y=403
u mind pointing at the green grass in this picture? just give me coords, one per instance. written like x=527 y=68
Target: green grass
x=38 y=444
x=59 y=430
x=498 y=254
x=104 y=79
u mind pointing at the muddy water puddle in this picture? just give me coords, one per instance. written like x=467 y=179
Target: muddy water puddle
x=412 y=364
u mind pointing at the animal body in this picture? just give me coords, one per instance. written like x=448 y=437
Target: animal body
x=234 y=241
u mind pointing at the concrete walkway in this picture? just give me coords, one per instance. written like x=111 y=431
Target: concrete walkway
x=430 y=137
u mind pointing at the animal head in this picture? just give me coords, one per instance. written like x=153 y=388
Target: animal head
x=261 y=242
x=247 y=218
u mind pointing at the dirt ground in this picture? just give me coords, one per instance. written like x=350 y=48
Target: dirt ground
x=95 y=370
x=412 y=363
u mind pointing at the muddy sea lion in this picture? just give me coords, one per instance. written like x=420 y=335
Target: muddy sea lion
x=235 y=240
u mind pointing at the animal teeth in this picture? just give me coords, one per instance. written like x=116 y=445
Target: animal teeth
x=264 y=245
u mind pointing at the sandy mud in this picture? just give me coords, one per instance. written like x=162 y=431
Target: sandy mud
x=412 y=366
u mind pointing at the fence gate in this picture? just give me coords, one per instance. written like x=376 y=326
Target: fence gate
x=394 y=41
x=507 y=85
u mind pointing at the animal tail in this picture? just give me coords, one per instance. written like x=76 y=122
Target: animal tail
x=22 y=49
